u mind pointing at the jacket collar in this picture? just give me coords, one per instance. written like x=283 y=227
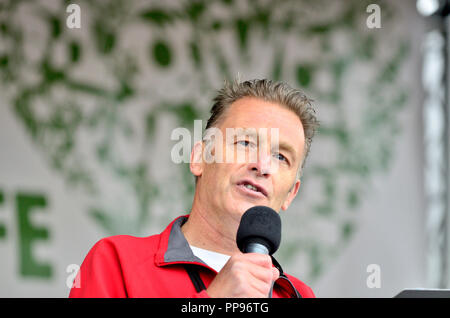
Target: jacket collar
x=173 y=247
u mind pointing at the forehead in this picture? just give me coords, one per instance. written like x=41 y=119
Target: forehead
x=260 y=113
x=250 y=112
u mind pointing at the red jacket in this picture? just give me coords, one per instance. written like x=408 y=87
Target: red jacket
x=154 y=266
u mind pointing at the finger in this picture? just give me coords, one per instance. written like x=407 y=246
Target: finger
x=260 y=273
x=259 y=259
x=275 y=273
x=261 y=287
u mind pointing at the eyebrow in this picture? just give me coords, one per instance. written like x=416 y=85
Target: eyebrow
x=250 y=132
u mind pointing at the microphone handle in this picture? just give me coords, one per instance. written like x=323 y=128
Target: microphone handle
x=256 y=248
x=252 y=247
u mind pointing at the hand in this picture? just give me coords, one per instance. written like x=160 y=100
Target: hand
x=244 y=275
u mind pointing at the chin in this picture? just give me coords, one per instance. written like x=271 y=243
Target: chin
x=244 y=206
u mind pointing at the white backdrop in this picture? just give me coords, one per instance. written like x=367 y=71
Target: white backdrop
x=384 y=222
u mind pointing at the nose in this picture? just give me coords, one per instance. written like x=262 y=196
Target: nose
x=263 y=164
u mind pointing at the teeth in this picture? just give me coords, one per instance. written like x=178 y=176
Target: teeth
x=249 y=186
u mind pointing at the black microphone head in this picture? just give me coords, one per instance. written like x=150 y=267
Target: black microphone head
x=259 y=224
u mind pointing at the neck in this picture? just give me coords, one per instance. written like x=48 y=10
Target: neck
x=206 y=230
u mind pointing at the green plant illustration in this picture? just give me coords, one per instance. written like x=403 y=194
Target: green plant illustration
x=95 y=103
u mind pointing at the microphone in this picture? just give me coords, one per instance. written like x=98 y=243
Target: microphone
x=259 y=231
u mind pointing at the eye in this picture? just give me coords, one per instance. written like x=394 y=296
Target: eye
x=244 y=143
x=281 y=157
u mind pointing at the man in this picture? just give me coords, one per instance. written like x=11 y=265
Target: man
x=197 y=255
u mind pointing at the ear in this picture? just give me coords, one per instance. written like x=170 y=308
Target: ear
x=291 y=195
x=196 y=163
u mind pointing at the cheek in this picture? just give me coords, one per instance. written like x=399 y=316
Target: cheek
x=216 y=174
x=285 y=185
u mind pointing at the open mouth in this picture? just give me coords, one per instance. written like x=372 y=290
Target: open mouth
x=252 y=188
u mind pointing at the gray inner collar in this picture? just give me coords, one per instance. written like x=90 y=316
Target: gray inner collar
x=178 y=249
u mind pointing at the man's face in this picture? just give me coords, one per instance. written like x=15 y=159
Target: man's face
x=228 y=187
